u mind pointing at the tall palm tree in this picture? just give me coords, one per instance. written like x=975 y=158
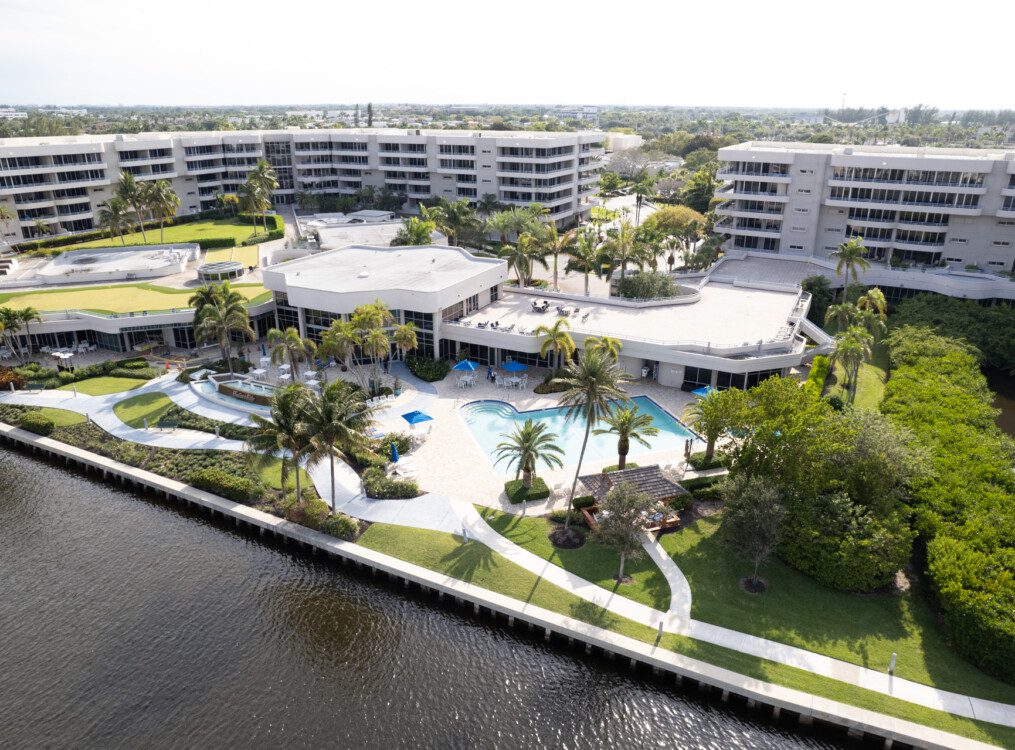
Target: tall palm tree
x=501 y=222
x=841 y=314
x=116 y=217
x=340 y=341
x=405 y=338
x=10 y=324
x=583 y=256
x=557 y=340
x=283 y=435
x=377 y=346
x=487 y=204
x=218 y=323
x=27 y=316
x=337 y=421
x=714 y=414
x=606 y=344
x=42 y=229
x=874 y=300
x=129 y=190
x=6 y=216
x=414 y=232
x=450 y=217
x=164 y=203
x=644 y=186
x=670 y=245
x=627 y=424
x=253 y=199
x=264 y=175
x=289 y=345
x=592 y=385
x=852 y=349
x=530 y=443
x=213 y=294
x=554 y=244
x=850 y=257
x=622 y=244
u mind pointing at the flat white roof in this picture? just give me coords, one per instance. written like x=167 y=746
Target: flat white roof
x=724 y=316
x=843 y=149
x=428 y=268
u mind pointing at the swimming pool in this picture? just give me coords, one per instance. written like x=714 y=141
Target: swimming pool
x=487 y=420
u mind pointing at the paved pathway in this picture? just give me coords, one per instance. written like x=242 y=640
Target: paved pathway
x=434 y=511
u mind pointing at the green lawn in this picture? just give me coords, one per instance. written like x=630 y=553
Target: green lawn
x=863 y=629
x=62 y=417
x=591 y=561
x=117 y=298
x=191 y=232
x=104 y=385
x=271 y=475
x=476 y=563
x=248 y=256
x=870 y=388
x=134 y=410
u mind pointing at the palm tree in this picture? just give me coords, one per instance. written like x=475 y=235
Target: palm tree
x=289 y=345
x=213 y=294
x=116 y=217
x=522 y=255
x=584 y=256
x=606 y=344
x=164 y=202
x=27 y=316
x=554 y=244
x=841 y=314
x=852 y=349
x=487 y=204
x=557 y=340
x=41 y=228
x=850 y=256
x=622 y=245
x=336 y=421
x=264 y=175
x=284 y=435
x=714 y=414
x=874 y=300
x=340 y=341
x=253 y=199
x=6 y=216
x=218 y=323
x=643 y=186
x=628 y=424
x=377 y=346
x=414 y=232
x=529 y=444
x=405 y=338
x=592 y=384
x=10 y=324
x=450 y=217
x=501 y=222
x=670 y=245
x=129 y=190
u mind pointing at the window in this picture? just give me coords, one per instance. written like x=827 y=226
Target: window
x=796 y=247
x=494 y=294
x=806 y=171
x=954 y=260
x=423 y=321
x=833 y=229
x=1001 y=243
x=996 y=263
x=1005 y=223
x=801 y=210
x=804 y=191
x=695 y=377
x=798 y=229
x=958 y=240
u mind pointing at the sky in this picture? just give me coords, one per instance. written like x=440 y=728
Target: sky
x=655 y=52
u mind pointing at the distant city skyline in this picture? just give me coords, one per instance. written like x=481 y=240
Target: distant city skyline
x=792 y=55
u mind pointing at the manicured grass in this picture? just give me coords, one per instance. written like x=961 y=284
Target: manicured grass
x=104 y=385
x=870 y=387
x=62 y=417
x=591 y=561
x=248 y=256
x=117 y=298
x=192 y=232
x=475 y=563
x=134 y=410
x=271 y=475
x=862 y=629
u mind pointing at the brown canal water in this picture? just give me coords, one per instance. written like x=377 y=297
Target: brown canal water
x=1003 y=385
x=126 y=622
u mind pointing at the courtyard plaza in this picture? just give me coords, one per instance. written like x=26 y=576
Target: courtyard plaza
x=448 y=451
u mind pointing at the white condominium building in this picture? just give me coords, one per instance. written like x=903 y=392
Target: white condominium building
x=62 y=181
x=914 y=207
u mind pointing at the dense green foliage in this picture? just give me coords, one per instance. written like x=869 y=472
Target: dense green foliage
x=33 y=372
x=340 y=525
x=430 y=370
x=820 y=368
x=36 y=422
x=648 y=285
x=822 y=295
x=225 y=483
x=516 y=493
x=964 y=507
x=381 y=487
x=989 y=329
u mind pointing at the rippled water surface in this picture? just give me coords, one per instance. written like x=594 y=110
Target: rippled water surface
x=127 y=623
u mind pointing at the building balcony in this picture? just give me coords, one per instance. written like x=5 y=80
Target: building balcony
x=733 y=174
x=728 y=226
x=205 y=170
x=84 y=214
x=1008 y=191
x=747 y=213
x=1006 y=213
x=919 y=246
x=730 y=192
x=42 y=203
x=156 y=176
x=902 y=205
x=148 y=161
x=97 y=182
x=203 y=157
x=948 y=187
x=255 y=154
x=502 y=172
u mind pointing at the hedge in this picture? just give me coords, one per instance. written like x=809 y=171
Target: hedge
x=101 y=234
x=381 y=487
x=424 y=368
x=132 y=367
x=698 y=463
x=36 y=422
x=583 y=501
x=820 y=368
x=225 y=484
x=210 y=243
x=341 y=526
x=516 y=492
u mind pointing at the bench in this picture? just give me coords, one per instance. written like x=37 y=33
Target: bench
x=34 y=386
x=166 y=424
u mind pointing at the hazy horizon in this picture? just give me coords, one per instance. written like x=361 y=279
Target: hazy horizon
x=802 y=56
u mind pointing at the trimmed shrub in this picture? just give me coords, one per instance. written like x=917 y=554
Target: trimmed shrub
x=818 y=374
x=648 y=285
x=560 y=515
x=698 y=463
x=310 y=511
x=684 y=501
x=424 y=368
x=584 y=501
x=37 y=422
x=697 y=483
x=8 y=376
x=516 y=492
x=226 y=484
x=616 y=467
x=210 y=243
x=381 y=487
x=365 y=459
x=133 y=372
x=382 y=446
x=549 y=387
x=341 y=526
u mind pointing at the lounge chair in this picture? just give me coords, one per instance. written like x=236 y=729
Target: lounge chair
x=509 y=328
x=481 y=325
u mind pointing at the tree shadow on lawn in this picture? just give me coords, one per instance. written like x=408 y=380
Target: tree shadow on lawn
x=468 y=559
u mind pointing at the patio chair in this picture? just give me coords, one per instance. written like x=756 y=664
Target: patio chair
x=535 y=306
x=481 y=324
x=509 y=328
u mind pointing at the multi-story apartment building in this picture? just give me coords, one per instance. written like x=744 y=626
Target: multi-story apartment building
x=62 y=181
x=912 y=206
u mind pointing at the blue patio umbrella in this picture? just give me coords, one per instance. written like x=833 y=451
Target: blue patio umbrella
x=394 y=452
x=705 y=390
x=264 y=350
x=513 y=366
x=415 y=417
x=466 y=365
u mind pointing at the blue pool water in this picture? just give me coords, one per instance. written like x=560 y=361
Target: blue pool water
x=488 y=420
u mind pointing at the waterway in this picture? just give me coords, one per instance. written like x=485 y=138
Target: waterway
x=127 y=622
x=1003 y=385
